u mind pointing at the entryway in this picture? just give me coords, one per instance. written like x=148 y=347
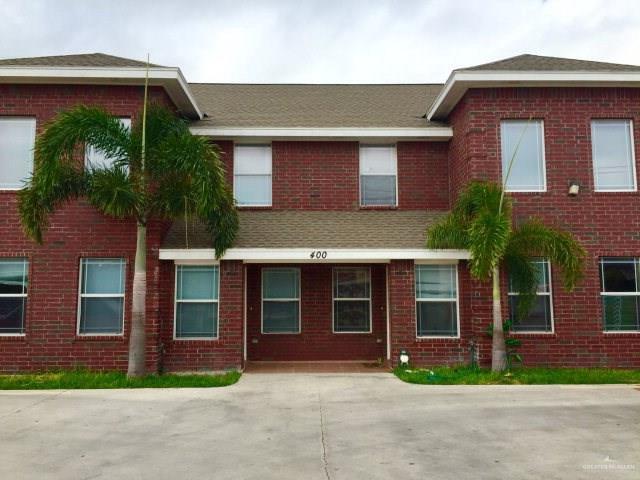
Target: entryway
x=316 y=313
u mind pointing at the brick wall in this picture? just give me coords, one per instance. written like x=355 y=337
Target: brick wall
x=322 y=175
x=223 y=353
x=607 y=224
x=316 y=340
x=76 y=230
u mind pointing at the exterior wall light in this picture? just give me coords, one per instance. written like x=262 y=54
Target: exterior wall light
x=574 y=188
x=404 y=358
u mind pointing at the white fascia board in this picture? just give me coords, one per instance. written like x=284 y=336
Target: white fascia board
x=303 y=255
x=170 y=78
x=300 y=133
x=459 y=82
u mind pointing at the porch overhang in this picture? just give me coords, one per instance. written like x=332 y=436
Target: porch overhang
x=302 y=236
x=313 y=255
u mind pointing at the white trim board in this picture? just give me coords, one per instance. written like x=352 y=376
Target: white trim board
x=301 y=133
x=170 y=78
x=302 y=255
x=460 y=81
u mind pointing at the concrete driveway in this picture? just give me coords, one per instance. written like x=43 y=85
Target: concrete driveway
x=322 y=426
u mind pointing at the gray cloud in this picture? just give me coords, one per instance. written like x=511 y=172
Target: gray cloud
x=341 y=41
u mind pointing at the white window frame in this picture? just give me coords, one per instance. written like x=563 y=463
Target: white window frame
x=334 y=299
x=24 y=294
x=176 y=301
x=298 y=299
x=435 y=300
x=394 y=146
x=633 y=156
x=33 y=122
x=102 y=295
x=89 y=150
x=604 y=260
x=541 y=294
x=235 y=174
x=543 y=155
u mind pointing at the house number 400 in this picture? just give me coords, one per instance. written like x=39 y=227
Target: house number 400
x=318 y=254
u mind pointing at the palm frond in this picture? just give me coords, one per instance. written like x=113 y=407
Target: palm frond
x=523 y=279
x=449 y=232
x=197 y=164
x=79 y=127
x=488 y=239
x=534 y=239
x=110 y=190
x=50 y=186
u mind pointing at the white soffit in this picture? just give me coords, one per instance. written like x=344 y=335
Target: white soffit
x=320 y=255
x=374 y=134
x=459 y=82
x=170 y=78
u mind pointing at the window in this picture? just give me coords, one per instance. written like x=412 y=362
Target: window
x=612 y=148
x=252 y=175
x=17 y=138
x=540 y=317
x=378 y=175
x=94 y=158
x=620 y=294
x=14 y=274
x=280 y=300
x=196 y=309
x=351 y=300
x=437 y=300
x=523 y=141
x=101 y=309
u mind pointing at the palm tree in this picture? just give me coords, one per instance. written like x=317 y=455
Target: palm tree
x=159 y=170
x=481 y=222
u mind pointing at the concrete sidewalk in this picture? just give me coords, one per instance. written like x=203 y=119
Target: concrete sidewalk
x=323 y=426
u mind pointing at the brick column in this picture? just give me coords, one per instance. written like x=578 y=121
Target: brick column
x=401 y=307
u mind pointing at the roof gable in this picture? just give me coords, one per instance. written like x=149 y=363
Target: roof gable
x=80 y=60
x=538 y=63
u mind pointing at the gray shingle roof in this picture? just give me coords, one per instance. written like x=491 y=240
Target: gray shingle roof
x=315 y=229
x=281 y=106
x=81 y=60
x=527 y=62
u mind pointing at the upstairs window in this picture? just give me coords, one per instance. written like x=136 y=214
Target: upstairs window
x=13 y=295
x=101 y=309
x=523 y=141
x=17 y=139
x=94 y=158
x=614 y=166
x=436 y=300
x=540 y=317
x=378 y=175
x=620 y=293
x=252 y=175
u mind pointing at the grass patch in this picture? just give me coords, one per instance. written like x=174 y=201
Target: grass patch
x=464 y=375
x=74 y=379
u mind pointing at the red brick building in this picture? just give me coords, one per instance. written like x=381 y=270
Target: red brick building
x=335 y=185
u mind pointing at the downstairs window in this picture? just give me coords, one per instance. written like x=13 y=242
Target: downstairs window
x=436 y=300
x=14 y=274
x=620 y=294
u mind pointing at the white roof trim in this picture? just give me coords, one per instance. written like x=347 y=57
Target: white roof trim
x=170 y=78
x=460 y=81
x=427 y=133
x=303 y=255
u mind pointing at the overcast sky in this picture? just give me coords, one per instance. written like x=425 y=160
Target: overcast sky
x=323 y=41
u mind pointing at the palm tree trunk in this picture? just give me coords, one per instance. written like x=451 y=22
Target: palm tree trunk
x=498 y=348
x=137 y=337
